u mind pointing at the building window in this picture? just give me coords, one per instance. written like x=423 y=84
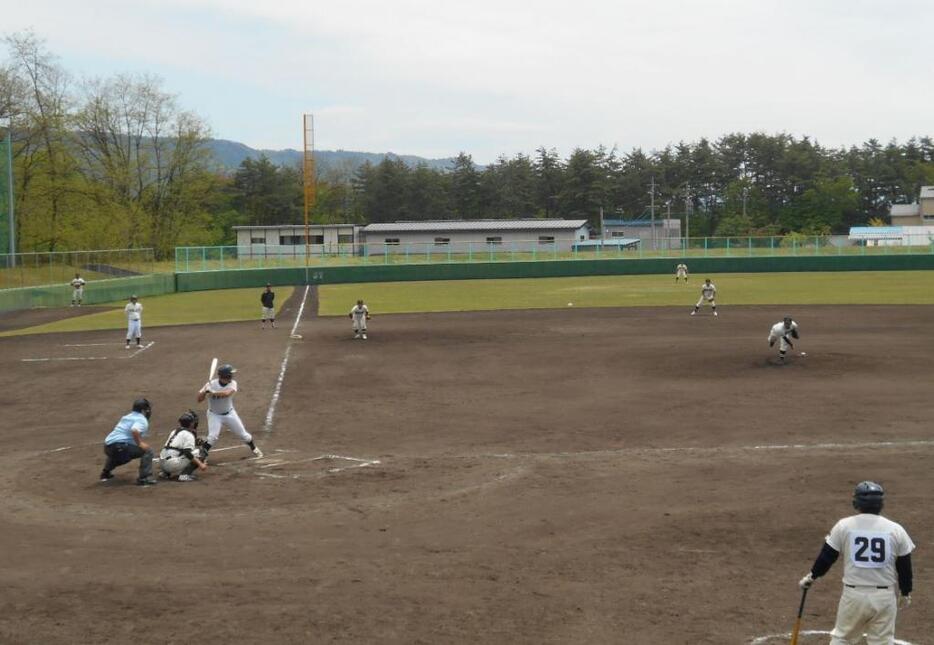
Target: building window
x=257 y=240
x=291 y=240
x=546 y=239
x=316 y=239
x=618 y=234
x=391 y=241
x=442 y=241
x=496 y=239
x=345 y=239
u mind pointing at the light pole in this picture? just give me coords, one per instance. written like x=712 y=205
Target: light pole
x=11 y=208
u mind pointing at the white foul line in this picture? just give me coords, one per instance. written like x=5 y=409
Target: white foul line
x=808 y=632
x=271 y=411
x=89 y=358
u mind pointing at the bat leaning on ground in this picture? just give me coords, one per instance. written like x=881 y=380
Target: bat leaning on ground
x=797 y=628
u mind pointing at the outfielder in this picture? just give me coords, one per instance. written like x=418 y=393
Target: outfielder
x=708 y=293
x=134 y=321
x=77 y=293
x=220 y=393
x=181 y=455
x=681 y=271
x=267 y=298
x=359 y=314
x=876 y=554
x=781 y=331
x=126 y=442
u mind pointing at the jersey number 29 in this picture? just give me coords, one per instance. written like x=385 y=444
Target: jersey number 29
x=868 y=552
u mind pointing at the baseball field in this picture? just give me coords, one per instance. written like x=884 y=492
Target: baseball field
x=490 y=466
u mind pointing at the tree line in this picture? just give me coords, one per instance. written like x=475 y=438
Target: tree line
x=116 y=162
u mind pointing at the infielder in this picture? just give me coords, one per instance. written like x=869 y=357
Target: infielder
x=220 y=393
x=681 y=271
x=876 y=553
x=708 y=293
x=781 y=331
x=77 y=293
x=359 y=314
x=126 y=442
x=134 y=321
x=267 y=298
x=181 y=455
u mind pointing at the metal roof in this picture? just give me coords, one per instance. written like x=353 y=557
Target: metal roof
x=659 y=221
x=292 y=226
x=614 y=242
x=476 y=225
x=876 y=232
x=927 y=192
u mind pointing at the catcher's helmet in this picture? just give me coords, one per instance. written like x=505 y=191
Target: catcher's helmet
x=142 y=405
x=226 y=371
x=189 y=420
x=868 y=497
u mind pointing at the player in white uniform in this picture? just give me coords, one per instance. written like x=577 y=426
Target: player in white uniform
x=134 y=321
x=220 y=393
x=359 y=314
x=708 y=294
x=783 y=331
x=77 y=293
x=681 y=271
x=181 y=455
x=876 y=555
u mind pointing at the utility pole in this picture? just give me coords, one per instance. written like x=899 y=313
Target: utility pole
x=745 y=192
x=11 y=209
x=652 y=211
x=687 y=217
x=602 y=227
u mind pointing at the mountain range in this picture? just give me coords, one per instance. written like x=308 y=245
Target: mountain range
x=230 y=154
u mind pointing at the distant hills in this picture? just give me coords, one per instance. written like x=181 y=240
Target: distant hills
x=230 y=154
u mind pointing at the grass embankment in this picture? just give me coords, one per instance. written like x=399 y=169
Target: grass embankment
x=230 y=305
x=820 y=288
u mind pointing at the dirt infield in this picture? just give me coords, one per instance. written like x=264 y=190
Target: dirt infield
x=579 y=476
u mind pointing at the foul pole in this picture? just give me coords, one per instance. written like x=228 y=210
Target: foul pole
x=309 y=176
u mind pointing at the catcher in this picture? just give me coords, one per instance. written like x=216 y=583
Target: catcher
x=359 y=314
x=182 y=453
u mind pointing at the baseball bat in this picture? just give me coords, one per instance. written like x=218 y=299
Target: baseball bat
x=213 y=369
x=794 y=632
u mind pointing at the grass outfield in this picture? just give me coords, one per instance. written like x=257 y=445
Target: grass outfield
x=229 y=305
x=819 y=288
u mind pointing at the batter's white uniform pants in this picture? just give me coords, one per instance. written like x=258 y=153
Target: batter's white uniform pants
x=359 y=324
x=711 y=301
x=865 y=610
x=134 y=329
x=233 y=423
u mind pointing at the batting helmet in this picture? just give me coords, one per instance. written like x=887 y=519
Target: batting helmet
x=868 y=497
x=226 y=371
x=189 y=420
x=142 y=406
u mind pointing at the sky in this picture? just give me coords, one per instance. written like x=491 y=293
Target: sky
x=501 y=77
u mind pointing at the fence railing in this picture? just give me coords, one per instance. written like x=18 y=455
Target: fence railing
x=21 y=270
x=189 y=259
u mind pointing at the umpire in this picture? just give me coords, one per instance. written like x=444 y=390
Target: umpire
x=125 y=443
x=268 y=297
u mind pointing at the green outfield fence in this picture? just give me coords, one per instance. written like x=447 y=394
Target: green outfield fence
x=192 y=259
x=243 y=278
x=96 y=292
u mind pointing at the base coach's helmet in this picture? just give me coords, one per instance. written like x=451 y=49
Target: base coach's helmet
x=868 y=497
x=142 y=406
x=226 y=371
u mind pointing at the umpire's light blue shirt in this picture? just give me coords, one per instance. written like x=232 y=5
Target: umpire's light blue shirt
x=123 y=432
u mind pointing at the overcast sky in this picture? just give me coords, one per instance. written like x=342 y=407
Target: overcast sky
x=500 y=77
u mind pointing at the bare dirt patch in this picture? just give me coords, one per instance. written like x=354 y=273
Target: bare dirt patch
x=631 y=475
